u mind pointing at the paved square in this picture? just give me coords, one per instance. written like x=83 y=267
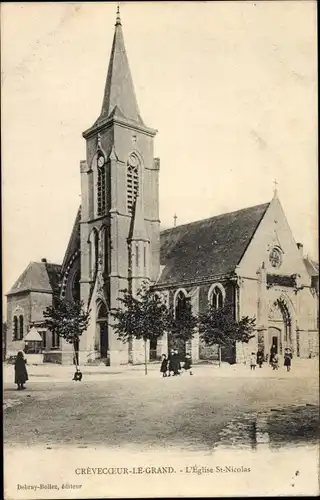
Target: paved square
x=132 y=411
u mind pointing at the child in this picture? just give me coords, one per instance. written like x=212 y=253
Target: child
x=77 y=376
x=260 y=358
x=253 y=361
x=188 y=364
x=275 y=362
x=287 y=359
x=20 y=371
x=164 y=365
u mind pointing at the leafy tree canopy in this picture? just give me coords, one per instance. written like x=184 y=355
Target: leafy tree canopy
x=182 y=325
x=144 y=316
x=67 y=318
x=218 y=326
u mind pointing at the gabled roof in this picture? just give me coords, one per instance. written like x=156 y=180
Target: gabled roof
x=312 y=266
x=38 y=276
x=119 y=90
x=209 y=247
x=33 y=335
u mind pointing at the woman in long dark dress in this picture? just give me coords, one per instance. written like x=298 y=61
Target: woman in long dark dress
x=164 y=365
x=20 y=371
x=171 y=362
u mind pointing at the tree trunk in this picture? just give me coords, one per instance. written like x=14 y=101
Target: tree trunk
x=145 y=357
x=219 y=355
x=76 y=353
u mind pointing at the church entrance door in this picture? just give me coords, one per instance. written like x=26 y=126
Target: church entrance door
x=104 y=340
x=103 y=332
x=279 y=331
x=274 y=340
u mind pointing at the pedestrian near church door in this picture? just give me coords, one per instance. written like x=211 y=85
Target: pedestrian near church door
x=274 y=339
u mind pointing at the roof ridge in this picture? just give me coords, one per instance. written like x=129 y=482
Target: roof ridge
x=214 y=217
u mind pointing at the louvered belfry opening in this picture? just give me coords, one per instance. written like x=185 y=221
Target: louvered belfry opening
x=101 y=191
x=132 y=186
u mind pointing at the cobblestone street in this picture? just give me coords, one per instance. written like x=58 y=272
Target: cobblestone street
x=215 y=409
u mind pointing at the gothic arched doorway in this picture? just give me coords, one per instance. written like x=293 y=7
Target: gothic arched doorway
x=180 y=307
x=279 y=327
x=102 y=324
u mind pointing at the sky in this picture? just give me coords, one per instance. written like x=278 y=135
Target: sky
x=231 y=88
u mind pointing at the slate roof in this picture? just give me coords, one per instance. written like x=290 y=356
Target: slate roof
x=74 y=241
x=312 y=266
x=38 y=276
x=209 y=247
x=119 y=90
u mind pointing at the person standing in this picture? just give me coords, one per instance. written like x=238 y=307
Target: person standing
x=273 y=352
x=171 y=362
x=253 y=361
x=164 y=365
x=287 y=359
x=188 y=364
x=260 y=358
x=20 y=371
x=176 y=363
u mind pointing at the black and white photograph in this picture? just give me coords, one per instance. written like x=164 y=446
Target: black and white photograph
x=160 y=221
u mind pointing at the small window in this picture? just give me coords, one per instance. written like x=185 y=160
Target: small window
x=44 y=339
x=144 y=257
x=15 y=328
x=21 y=327
x=55 y=340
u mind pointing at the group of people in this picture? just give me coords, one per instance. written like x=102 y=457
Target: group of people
x=258 y=359
x=173 y=364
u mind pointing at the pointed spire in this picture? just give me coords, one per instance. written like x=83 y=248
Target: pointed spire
x=119 y=95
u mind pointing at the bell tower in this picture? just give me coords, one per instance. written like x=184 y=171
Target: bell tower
x=120 y=227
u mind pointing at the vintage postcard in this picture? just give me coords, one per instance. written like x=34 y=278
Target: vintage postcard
x=159 y=166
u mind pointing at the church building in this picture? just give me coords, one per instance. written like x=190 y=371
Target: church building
x=248 y=258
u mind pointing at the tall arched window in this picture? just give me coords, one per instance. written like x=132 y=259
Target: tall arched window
x=216 y=298
x=180 y=304
x=76 y=286
x=93 y=249
x=15 y=328
x=132 y=182
x=21 y=327
x=101 y=186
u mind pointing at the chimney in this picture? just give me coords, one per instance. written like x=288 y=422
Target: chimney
x=43 y=260
x=300 y=248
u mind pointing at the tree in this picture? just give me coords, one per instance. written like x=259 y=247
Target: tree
x=219 y=327
x=182 y=324
x=68 y=319
x=142 y=317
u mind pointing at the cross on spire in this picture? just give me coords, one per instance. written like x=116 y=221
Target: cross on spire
x=118 y=19
x=275 y=190
x=175 y=220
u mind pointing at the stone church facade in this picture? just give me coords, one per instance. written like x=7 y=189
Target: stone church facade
x=247 y=258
